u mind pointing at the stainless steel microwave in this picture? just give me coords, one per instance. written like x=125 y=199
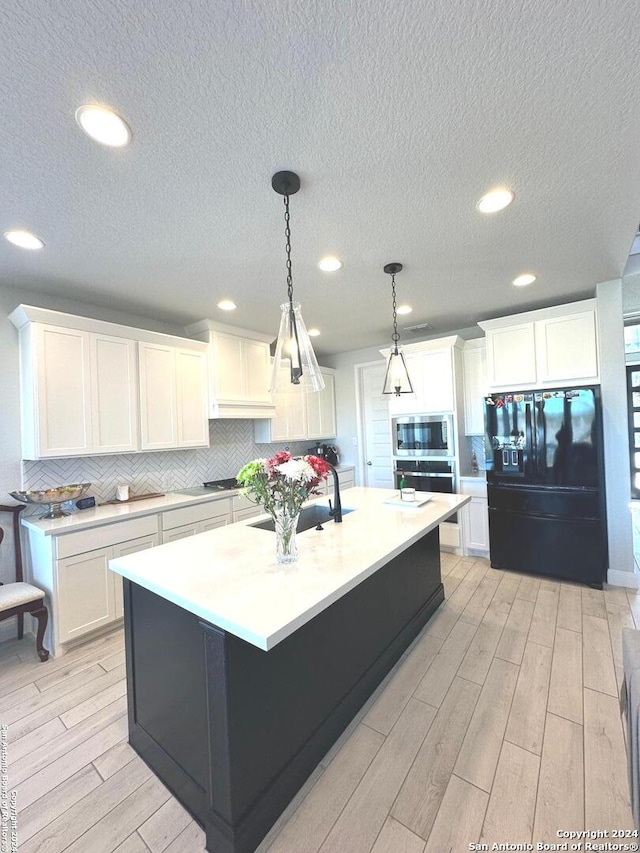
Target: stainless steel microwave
x=423 y=435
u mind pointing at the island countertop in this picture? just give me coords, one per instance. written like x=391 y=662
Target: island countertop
x=230 y=578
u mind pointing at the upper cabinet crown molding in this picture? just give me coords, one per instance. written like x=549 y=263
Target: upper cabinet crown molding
x=551 y=347
x=239 y=370
x=25 y=314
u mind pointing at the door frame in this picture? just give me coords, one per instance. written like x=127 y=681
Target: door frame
x=362 y=450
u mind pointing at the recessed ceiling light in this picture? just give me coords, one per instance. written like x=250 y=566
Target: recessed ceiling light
x=404 y=309
x=227 y=305
x=524 y=279
x=24 y=239
x=495 y=200
x=330 y=264
x=103 y=125
x=313 y=333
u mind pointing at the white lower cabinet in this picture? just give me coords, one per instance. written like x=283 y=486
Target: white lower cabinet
x=474 y=517
x=198 y=518
x=73 y=569
x=86 y=598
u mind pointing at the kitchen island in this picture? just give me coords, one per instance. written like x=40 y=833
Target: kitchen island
x=241 y=673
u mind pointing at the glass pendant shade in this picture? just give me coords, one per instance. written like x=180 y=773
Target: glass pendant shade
x=396 y=380
x=295 y=365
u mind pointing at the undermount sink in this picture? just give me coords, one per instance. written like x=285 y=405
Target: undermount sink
x=310 y=517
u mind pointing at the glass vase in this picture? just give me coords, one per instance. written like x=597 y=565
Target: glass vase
x=286 y=523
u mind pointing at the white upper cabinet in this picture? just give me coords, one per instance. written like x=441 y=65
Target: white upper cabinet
x=90 y=387
x=551 y=347
x=475 y=385
x=301 y=415
x=192 y=398
x=239 y=370
x=114 y=394
x=173 y=399
x=321 y=408
x=78 y=392
x=432 y=368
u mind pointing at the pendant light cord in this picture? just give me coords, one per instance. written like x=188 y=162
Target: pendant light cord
x=395 y=337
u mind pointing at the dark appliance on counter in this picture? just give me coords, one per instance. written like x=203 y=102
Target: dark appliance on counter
x=423 y=435
x=222 y=485
x=545 y=483
x=325 y=451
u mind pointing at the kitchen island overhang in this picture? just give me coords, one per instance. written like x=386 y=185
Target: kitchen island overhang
x=233 y=708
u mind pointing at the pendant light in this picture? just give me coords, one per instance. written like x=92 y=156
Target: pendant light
x=396 y=380
x=295 y=364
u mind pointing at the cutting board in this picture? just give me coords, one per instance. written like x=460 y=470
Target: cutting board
x=409 y=504
x=135 y=498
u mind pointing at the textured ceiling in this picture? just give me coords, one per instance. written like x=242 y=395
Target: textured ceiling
x=396 y=115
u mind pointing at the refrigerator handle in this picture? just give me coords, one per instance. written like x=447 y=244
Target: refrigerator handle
x=530 y=433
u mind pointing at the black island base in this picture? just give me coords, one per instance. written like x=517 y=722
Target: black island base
x=234 y=731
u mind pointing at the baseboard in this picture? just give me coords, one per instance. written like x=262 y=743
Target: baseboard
x=629 y=579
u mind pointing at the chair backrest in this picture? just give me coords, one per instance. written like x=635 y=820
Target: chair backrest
x=15 y=511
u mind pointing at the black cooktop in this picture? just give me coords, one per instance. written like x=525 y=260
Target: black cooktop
x=222 y=485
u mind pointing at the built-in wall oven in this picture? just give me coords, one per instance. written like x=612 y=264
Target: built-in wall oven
x=427 y=475
x=420 y=436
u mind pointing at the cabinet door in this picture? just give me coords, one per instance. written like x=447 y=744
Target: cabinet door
x=213 y=523
x=157 y=397
x=475 y=389
x=63 y=381
x=476 y=526
x=114 y=394
x=228 y=379
x=192 y=398
x=180 y=532
x=121 y=550
x=85 y=594
x=437 y=381
x=321 y=410
x=255 y=366
x=567 y=348
x=511 y=357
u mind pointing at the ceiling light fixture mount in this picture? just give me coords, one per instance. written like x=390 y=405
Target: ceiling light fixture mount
x=295 y=362
x=396 y=380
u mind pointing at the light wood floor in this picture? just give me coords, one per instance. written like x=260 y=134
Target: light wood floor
x=501 y=723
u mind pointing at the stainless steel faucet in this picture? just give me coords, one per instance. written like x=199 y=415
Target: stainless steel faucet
x=335 y=511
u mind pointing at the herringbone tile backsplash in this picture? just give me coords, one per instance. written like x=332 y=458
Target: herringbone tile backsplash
x=232 y=444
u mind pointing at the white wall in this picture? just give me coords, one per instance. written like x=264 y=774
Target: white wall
x=616 y=435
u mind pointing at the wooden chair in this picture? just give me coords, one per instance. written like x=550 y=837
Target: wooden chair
x=19 y=598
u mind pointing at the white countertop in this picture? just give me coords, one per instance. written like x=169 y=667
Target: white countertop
x=229 y=576
x=108 y=513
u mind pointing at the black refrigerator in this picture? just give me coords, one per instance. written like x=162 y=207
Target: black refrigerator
x=545 y=483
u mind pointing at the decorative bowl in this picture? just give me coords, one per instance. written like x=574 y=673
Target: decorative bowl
x=52 y=499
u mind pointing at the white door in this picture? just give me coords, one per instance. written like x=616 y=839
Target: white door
x=191 y=398
x=375 y=428
x=157 y=396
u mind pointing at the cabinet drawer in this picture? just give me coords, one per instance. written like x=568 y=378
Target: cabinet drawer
x=241 y=503
x=197 y=512
x=69 y=544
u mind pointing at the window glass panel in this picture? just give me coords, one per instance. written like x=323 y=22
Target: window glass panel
x=636 y=460
x=636 y=420
x=632 y=338
x=635 y=398
x=635 y=378
x=636 y=439
x=636 y=481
